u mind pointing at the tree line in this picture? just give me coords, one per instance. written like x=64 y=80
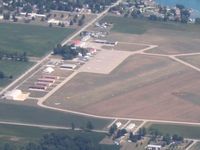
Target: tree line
x=14 y=56
x=43 y=6
x=69 y=51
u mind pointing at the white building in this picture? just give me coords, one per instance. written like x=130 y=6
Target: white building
x=153 y=147
x=118 y=124
x=17 y=95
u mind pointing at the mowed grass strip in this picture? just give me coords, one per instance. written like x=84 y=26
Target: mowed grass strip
x=12 y=68
x=34 y=40
x=24 y=134
x=186 y=131
x=36 y=115
x=140 y=26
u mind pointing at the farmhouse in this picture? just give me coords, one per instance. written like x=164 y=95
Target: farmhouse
x=16 y=94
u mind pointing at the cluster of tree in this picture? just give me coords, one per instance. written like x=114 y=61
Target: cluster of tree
x=58 y=141
x=166 y=138
x=43 y=6
x=13 y=56
x=69 y=51
x=138 y=136
x=3 y=76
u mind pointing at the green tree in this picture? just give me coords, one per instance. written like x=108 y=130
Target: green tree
x=73 y=126
x=112 y=129
x=89 y=125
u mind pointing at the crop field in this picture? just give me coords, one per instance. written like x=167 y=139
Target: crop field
x=131 y=90
x=186 y=131
x=30 y=114
x=172 y=38
x=32 y=39
x=12 y=68
x=20 y=135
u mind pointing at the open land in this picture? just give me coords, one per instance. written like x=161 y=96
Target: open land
x=30 y=114
x=34 y=40
x=192 y=132
x=122 y=91
x=131 y=89
x=172 y=38
x=20 y=135
x=12 y=68
x=144 y=84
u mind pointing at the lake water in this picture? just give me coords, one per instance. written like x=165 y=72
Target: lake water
x=194 y=4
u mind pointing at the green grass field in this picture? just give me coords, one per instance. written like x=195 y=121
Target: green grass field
x=36 y=115
x=12 y=68
x=182 y=130
x=140 y=26
x=35 y=40
x=24 y=134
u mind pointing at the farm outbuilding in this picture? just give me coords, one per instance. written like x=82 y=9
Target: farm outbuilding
x=16 y=94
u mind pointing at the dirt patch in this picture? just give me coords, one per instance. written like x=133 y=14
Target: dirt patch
x=104 y=62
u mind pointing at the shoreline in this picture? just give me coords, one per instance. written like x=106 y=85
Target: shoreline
x=195 y=13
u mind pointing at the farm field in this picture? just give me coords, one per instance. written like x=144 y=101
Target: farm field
x=20 y=135
x=194 y=60
x=139 y=26
x=30 y=114
x=186 y=131
x=131 y=90
x=32 y=39
x=12 y=68
x=172 y=38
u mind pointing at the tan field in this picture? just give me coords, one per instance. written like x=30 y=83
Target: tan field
x=141 y=87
